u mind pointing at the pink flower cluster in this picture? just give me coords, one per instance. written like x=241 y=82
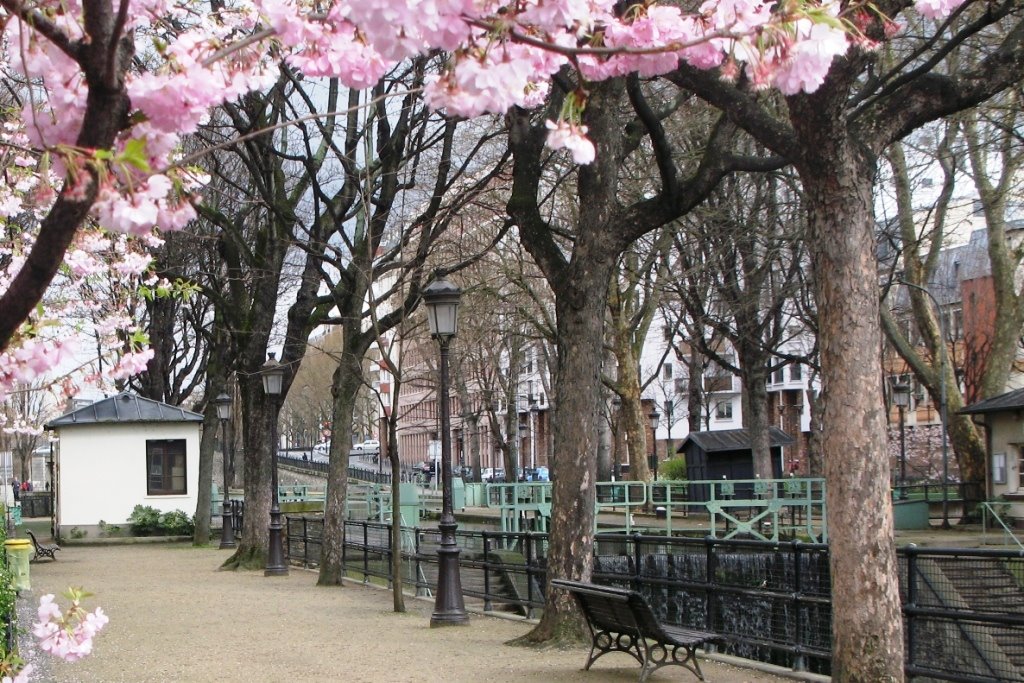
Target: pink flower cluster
x=69 y=636
x=501 y=55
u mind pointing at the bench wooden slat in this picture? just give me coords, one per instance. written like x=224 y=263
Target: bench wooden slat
x=620 y=620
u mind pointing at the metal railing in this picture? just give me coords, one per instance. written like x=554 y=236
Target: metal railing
x=990 y=514
x=963 y=613
x=768 y=601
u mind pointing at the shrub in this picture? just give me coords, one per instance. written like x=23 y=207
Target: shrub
x=148 y=521
x=7 y=599
x=177 y=523
x=674 y=469
x=145 y=521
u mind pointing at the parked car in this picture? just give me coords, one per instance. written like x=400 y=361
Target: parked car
x=493 y=475
x=367 y=447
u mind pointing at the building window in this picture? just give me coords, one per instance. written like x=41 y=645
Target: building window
x=717 y=378
x=795 y=372
x=666 y=371
x=779 y=376
x=999 y=468
x=723 y=410
x=165 y=467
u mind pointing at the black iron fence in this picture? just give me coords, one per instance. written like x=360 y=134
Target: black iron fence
x=963 y=609
x=303 y=462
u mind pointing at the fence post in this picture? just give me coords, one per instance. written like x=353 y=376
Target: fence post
x=710 y=576
x=366 y=554
x=487 y=572
x=419 y=567
x=389 y=552
x=637 y=559
x=528 y=553
x=305 y=542
x=908 y=609
x=799 y=661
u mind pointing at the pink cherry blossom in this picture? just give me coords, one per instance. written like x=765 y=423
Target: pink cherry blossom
x=937 y=9
x=563 y=135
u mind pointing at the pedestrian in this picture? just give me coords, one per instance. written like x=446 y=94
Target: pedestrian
x=16 y=488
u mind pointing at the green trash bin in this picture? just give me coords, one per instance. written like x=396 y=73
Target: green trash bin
x=19 y=551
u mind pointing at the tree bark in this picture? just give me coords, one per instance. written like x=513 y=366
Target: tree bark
x=580 y=311
x=257 y=414
x=866 y=614
x=348 y=378
x=201 y=534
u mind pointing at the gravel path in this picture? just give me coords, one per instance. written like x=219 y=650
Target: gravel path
x=175 y=618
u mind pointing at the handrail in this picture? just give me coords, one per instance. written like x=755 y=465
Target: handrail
x=987 y=508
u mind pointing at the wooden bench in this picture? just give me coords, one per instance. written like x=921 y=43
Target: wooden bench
x=621 y=621
x=43 y=550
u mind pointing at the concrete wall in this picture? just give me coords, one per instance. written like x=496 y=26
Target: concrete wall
x=101 y=472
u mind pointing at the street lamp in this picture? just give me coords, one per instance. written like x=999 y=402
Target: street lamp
x=901 y=397
x=51 y=486
x=942 y=401
x=616 y=415
x=654 y=416
x=668 y=425
x=441 y=298
x=534 y=408
x=272 y=373
x=227 y=532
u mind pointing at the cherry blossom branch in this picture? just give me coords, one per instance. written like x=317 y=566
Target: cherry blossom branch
x=44 y=27
x=188 y=159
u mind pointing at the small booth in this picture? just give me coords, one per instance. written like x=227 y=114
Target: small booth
x=728 y=454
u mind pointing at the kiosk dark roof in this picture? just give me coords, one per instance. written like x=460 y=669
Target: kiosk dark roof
x=125 y=408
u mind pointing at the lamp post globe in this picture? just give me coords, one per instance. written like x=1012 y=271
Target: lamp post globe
x=227 y=532
x=441 y=298
x=272 y=372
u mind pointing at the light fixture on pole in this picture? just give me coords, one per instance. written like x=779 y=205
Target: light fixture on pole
x=943 y=368
x=534 y=409
x=272 y=373
x=227 y=531
x=901 y=397
x=441 y=298
x=654 y=417
x=670 y=450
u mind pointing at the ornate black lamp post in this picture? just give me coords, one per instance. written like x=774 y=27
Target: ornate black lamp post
x=442 y=300
x=669 y=406
x=901 y=397
x=273 y=382
x=654 y=417
x=227 y=532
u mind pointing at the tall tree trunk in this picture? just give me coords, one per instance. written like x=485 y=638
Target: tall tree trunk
x=632 y=421
x=348 y=378
x=201 y=534
x=257 y=416
x=694 y=386
x=866 y=615
x=397 y=585
x=755 y=409
x=580 y=311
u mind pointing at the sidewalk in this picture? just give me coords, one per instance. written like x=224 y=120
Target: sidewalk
x=175 y=619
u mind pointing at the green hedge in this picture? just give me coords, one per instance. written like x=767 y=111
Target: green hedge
x=148 y=521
